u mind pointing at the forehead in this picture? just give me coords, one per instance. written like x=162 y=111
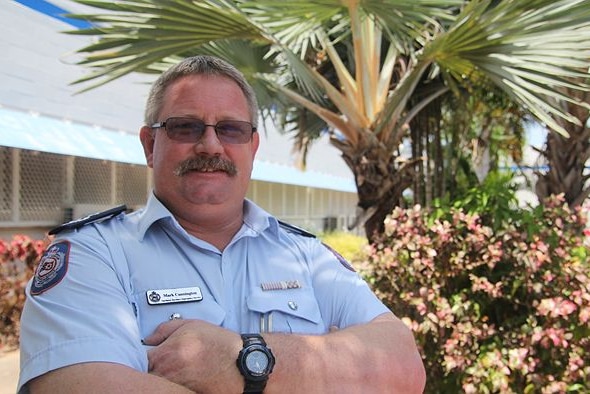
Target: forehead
x=209 y=92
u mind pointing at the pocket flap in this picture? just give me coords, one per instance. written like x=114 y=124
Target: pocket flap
x=300 y=303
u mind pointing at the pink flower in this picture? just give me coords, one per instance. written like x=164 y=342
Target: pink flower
x=584 y=315
x=555 y=387
x=557 y=336
x=566 y=308
x=469 y=388
x=483 y=284
x=555 y=307
x=548 y=276
x=421 y=308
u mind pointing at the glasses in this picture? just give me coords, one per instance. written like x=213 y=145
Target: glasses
x=192 y=130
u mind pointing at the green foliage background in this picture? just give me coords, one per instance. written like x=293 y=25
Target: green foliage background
x=350 y=246
x=498 y=296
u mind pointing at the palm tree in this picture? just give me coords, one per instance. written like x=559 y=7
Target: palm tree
x=352 y=67
x=567 y=157
x=462 y=138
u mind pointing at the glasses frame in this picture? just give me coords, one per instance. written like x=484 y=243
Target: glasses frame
x=220 y=136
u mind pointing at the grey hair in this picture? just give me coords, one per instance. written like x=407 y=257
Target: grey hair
x=197 y=65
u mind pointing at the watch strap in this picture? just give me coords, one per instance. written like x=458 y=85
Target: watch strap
x=249 y=339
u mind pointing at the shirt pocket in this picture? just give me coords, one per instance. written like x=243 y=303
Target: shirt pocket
x=287 y=311
x=150 y=316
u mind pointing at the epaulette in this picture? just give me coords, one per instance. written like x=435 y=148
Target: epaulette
x=295 y=229
x=95 y=217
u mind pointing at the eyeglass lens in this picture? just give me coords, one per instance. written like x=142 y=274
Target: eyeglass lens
x=192 y=130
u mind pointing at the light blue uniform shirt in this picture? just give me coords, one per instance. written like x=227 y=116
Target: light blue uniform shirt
x=126 y=275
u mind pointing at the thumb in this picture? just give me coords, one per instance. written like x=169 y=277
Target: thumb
x=163 y=331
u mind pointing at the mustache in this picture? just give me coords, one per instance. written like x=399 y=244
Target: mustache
x=205 y=163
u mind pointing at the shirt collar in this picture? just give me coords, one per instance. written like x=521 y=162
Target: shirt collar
x=256 y=219
x=151 y=213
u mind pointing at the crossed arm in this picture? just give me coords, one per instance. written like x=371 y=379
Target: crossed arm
x=195 y=356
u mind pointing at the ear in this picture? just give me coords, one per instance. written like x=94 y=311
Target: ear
x=255 y=143
x=146 y=136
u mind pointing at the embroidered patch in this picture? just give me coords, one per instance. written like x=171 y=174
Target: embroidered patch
x=52 y=267
x=339 y=257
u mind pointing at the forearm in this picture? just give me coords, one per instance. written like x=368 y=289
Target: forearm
x=99 y=377
x=377 y=357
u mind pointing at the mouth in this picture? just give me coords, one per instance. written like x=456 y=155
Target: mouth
x=206 y=164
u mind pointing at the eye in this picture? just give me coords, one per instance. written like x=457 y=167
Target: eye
x=185 y=127
x=231 y=127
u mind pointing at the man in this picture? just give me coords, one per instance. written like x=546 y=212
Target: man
x=156 y=301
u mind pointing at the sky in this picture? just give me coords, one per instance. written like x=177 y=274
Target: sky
x=535 y=134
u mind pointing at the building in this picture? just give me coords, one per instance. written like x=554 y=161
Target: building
x=64 y=155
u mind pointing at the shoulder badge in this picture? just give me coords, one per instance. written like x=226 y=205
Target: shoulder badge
x=294 y=229
x=340 y=258
x=95 y=217
x=52 y=267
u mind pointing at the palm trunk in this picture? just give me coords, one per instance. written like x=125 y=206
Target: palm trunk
x=567 y=157
x=391 y=197
x=381 y=180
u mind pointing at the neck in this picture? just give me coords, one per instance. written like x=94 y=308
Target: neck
x=218 y=230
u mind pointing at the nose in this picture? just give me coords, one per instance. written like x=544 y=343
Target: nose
x=209 y=142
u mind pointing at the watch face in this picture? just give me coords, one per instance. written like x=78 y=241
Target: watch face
x=257 y=362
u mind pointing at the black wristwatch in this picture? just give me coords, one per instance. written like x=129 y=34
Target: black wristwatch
x=255 y=363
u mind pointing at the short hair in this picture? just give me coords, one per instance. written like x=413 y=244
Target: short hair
x=197 y=65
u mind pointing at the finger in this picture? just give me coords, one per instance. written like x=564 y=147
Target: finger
x=150 y=362
x=153 y=357
x=163 y=331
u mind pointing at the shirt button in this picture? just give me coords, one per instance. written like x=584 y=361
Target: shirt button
x=293 y=305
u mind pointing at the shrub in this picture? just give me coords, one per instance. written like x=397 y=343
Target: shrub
x=350 y=246
x=503 y=310
x=17 y=261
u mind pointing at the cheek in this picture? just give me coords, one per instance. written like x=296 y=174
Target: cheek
x=165 y=158
x=244 y=160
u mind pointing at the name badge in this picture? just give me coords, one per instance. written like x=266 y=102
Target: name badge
x=170 y=296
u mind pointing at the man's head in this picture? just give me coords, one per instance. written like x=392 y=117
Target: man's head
x=200 y=139
x=197 y=65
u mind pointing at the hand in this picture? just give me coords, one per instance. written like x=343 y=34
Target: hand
x=196 y=354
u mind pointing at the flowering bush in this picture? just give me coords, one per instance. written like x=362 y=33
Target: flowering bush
x=503 y=310
x=17 y=261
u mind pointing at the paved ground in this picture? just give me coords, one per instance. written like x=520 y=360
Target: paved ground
x=8 y=372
